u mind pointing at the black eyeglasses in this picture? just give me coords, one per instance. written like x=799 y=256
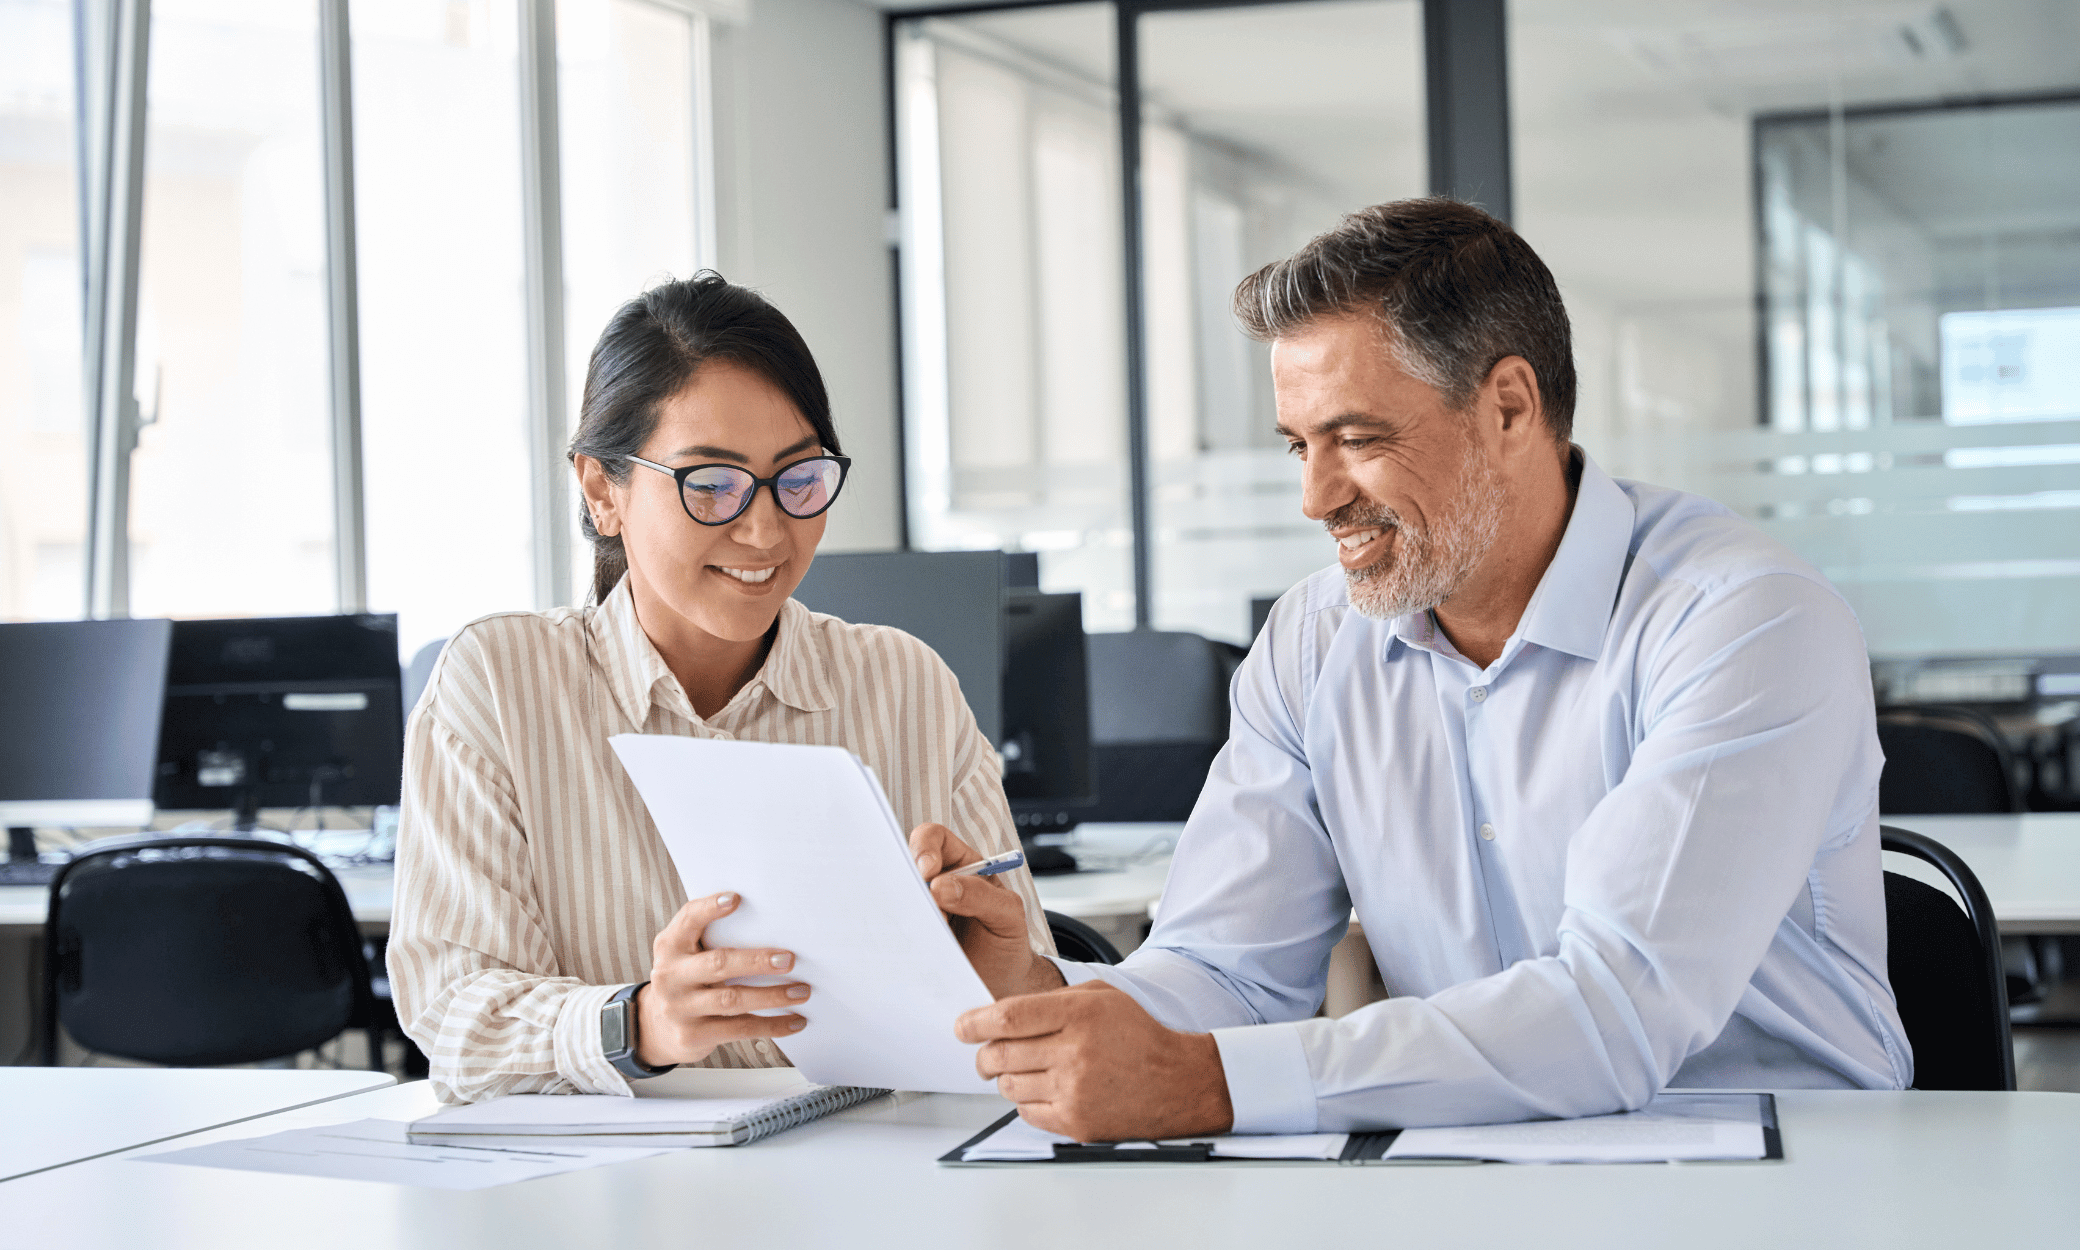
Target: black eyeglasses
x=716 y=494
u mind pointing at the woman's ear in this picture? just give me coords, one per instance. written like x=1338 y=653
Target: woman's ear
x=599 y=495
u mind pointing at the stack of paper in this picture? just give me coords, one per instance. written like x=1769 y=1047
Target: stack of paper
x=689 y=1107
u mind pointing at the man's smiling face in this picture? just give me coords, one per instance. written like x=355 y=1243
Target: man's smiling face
x=1397 y=477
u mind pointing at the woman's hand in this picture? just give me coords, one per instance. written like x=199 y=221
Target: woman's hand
x=686 y=1011
x=988 y=917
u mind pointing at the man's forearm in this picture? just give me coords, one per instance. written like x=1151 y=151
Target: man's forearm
x=1045 y=976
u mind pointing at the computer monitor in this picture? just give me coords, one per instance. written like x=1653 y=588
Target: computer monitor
x=282 y=712
x=951 y=600
x=79 y=722
x=1018 y=654
x=1047 y=715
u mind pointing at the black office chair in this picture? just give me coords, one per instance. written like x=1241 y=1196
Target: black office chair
x=1159 y=714
x=1075 y=940
x=1946 y=972
x=1944 y=760
x=198 y=951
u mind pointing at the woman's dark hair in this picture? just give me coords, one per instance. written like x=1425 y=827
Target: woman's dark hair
x=1458 y=289
x=650 y=351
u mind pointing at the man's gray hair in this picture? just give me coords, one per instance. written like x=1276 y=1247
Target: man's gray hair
x=1456 y=289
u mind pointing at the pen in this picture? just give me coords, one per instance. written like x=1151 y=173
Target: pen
x=990 y=867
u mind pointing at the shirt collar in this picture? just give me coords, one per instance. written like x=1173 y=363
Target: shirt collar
x=795 y=672
x=1571 y=609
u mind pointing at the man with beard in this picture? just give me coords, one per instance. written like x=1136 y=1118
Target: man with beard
x=1594 y=762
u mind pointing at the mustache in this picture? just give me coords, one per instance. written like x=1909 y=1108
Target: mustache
x=1360 y=516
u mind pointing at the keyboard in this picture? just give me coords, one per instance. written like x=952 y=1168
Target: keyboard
x=27 y=872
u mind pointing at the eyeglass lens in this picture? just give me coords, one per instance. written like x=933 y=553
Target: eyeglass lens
x=717 y=493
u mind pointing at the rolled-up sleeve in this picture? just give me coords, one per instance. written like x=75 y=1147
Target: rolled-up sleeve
x=471 y=965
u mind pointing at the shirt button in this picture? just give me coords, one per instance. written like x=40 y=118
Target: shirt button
x=1487 y=833
x=1479 y=693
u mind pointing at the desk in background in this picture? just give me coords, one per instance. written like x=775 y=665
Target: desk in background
x=2029 y=864
x=1864 y=1169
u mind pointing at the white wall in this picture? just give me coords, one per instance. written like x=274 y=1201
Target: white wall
x=802 y=191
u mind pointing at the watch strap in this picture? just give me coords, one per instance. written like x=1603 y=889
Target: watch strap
x=624 y=1059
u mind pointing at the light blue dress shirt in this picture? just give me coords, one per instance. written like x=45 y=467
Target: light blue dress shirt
x=1638 y=850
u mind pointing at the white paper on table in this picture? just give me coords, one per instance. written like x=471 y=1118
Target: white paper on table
x=1020 y=1142
x=376 y=1150
x=1673 y=1127
x=806 y=837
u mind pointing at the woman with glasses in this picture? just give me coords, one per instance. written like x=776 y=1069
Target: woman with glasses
x=541 y=941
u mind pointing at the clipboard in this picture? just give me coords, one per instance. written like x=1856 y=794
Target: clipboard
x=1363 y=1149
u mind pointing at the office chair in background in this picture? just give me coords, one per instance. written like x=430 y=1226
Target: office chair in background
x=1945 y=966
x=198 y=951
x=1159 y=714
x=1075 y=940
x=1944 y=760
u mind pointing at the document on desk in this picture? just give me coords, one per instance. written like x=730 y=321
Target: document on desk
x=806 y=836
x=377 y=1150
x=1682 y=1126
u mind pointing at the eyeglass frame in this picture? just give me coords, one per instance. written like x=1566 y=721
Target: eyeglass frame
x=679 y=476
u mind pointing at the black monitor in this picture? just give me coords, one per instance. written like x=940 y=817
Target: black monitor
x=1047 y=715
x=79 y=723
x=952 y=600
x=282 y=712
x=1018 y=654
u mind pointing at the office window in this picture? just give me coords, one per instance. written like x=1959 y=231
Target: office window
x=443 y=339
x=1261 y=127
x=43 y=433
x=634 y=203
x=231 y=484
x=1809 y=284
x=1014 y=302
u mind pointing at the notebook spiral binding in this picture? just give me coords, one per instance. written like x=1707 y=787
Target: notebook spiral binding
x=803 y=1108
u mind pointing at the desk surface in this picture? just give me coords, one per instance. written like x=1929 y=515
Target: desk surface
x=57 y=1116
x=2029 y=864
x=1861 y=1169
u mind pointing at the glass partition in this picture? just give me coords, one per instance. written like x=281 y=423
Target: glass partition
x=1809 y=284
x=1014 y=370
x=1261 y=127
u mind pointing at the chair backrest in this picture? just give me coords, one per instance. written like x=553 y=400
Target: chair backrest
x=1159 y=714
x=419 y=672
x=200 y=951
x=1075 y=940
x=1943 y=760
x=1945 y=966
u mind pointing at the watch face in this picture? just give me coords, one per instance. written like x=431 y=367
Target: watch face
x=613 y=1028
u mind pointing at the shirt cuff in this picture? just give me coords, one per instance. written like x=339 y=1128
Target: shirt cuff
x=1074 y=973
x=1269 y=1085
x=579 y=1058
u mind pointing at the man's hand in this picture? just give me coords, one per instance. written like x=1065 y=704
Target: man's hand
x=686 y=1011
x=988 y=917
x=1089 y=1063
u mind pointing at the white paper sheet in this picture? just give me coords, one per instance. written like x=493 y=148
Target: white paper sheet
x=1020 y=1142
x=1674 y=1127
x=804 y=834
x=376 y=1150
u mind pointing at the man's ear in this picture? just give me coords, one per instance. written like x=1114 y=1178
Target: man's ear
x=1513 y=388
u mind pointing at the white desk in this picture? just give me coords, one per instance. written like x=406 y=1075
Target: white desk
x=56 y=1116
x=1863 y=1169
x=368 y=889
x=2029 y=864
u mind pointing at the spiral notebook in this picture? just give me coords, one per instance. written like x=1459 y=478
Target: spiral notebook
x=689 y=1107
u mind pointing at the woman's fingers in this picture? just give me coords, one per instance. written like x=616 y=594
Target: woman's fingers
x=736 y=1000
x=989 y=903
x=689 y=925
x=936 y=849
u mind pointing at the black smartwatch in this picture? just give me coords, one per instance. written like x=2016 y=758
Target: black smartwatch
x=617 y=1035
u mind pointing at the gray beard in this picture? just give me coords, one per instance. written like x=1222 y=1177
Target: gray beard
x=1428 y=566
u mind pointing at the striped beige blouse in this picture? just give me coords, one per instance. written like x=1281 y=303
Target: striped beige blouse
x=530 y=879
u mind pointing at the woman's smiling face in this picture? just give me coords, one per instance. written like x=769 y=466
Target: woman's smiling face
x=728 y=581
